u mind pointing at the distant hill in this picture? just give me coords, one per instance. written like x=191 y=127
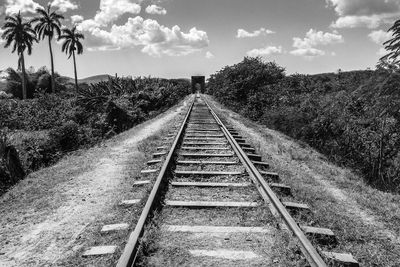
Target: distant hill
x=94 y=79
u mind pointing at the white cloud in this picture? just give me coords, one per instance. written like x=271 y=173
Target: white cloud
x=156 y=39
x=1 y=39
x=314 y=38
x=209 y=55
x=364 y=13
x=25 y=6
x=110 y=10
x=309 y=52
x=265 y=51
x=64 y=5
x=379 y=36
x=245 y=34
x=306 y=46
x=76 y=19
x=381 y=52
x=370 y=22
x=156 y=10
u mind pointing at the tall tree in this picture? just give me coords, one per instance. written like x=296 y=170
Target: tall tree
x=71 y=44
x=20 y=35
x=47 y=24
x=390 y=60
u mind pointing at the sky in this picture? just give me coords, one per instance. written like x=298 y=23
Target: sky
x=181 y=38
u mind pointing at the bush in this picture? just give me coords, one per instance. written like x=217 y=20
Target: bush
x=39 y=153
x=49 y=125
x=66 y=137
x=37 y=81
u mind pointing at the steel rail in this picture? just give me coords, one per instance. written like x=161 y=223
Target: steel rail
x=308 y=249
x=130 y=253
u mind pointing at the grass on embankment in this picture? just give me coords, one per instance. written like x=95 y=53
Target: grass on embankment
x=365 y=220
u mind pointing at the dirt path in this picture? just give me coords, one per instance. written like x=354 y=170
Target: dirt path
x=44 y=214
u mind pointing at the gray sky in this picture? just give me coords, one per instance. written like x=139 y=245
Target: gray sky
x=179 y=38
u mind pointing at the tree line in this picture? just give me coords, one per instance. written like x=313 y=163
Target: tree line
x=351 y=117
x=21 y=33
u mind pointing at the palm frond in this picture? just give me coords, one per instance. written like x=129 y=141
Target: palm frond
x=79 y=47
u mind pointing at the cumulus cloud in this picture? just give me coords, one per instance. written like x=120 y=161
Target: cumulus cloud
x=209 y=55
x=265 y=51
x=307 y=52
x=76 y=19
x=64 y=5
x=364 y=13
x=110 y=10
x=245 y=34
x=25 y=6
x=379 y=36
x=156 y=39
x=307 y=46
x=314 y=38
x=156 y=10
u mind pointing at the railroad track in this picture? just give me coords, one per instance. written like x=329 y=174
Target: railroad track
x=217 y=203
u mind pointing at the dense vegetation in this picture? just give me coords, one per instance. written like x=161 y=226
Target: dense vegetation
x=49 y=125
x=352 y=117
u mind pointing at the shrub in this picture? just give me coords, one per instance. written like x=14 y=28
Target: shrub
x=38 y=153
x=66 y=136
x=352 y=117
x=49 y=125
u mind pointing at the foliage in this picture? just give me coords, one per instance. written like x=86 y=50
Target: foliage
x=21 y=36
x=66 y=136
x=37 y=82
x=353 y=117
x=72 y=41
x=67 y=123
x=48 y=23
x=18 y=33
x=392 y=45
x=71 y=44
x=238 y=82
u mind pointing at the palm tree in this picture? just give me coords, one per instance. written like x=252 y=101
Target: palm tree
x=48 y=23
x=20 y=34
x=71 y=44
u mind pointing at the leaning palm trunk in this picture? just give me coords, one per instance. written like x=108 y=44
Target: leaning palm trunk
x=76 y=75
x=24 y=92
x=53 y=83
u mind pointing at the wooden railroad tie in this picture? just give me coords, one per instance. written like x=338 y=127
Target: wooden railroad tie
x=211 y=204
